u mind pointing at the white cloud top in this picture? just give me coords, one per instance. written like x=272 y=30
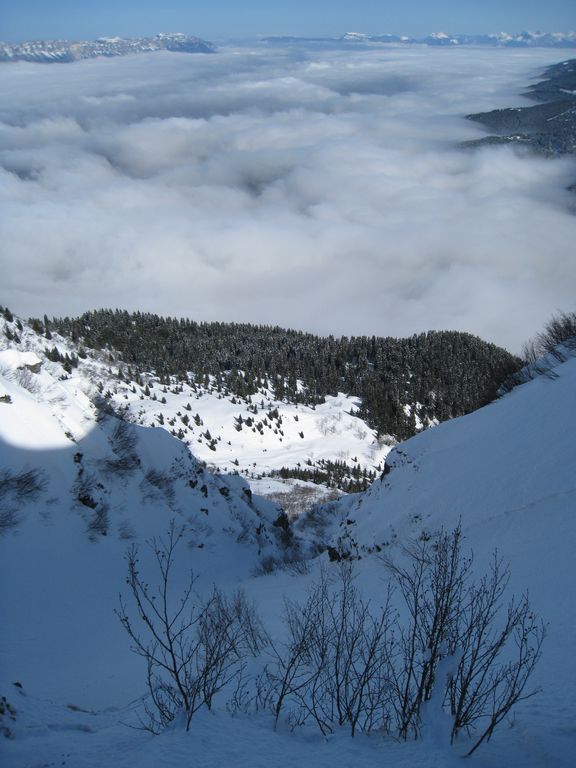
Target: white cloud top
x=315 y=189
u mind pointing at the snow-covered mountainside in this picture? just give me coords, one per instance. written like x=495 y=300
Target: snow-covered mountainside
x=62 y=443
x=79 y=486
x=63 y=51
x=514 y=456
x=507 y=474
x=280 y=446
x=258 y=435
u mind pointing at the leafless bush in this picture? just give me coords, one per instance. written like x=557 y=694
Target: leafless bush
x=27 y=380
x=555 y=344
x=298 y=499
x=7 y=718
x=87 y=489
x=193 y=648
x=126 y=530
x=9 y=518
x=334 y=669
x=99 y=522
x=495 y=647
x=17 y=489
x=345 y=663
x=25 y=486
x=160 y=481
x=560 y=328
x=496 y=662
x=124 y=444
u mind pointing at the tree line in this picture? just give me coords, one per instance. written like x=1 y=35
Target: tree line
x=438 y=374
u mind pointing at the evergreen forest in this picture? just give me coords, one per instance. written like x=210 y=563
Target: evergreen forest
x=402 y=383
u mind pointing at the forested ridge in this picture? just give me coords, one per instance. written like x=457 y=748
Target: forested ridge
x=438 y=374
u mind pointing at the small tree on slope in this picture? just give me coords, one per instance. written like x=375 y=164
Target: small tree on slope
x=495 y=645
x=193 y=648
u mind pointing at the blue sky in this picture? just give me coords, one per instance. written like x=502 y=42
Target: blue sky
x=217 y=19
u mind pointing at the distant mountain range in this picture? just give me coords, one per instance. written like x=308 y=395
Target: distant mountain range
x=498 y=39
x=64 y=51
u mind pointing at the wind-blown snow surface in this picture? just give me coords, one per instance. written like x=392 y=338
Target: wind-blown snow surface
x=507 y=471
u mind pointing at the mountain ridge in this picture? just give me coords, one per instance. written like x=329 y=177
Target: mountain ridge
x=65 y=51
x=404 y=384
x=68 y=51
x=498 y=39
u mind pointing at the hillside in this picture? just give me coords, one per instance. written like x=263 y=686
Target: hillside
x=505 y=474
x=403 y=384
x=318 y=446
x=80 y=487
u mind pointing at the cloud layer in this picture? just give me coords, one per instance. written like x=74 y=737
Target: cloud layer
x=314 y=189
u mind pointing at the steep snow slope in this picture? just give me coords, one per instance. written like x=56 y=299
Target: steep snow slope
x=508 y=473
x=513 y=459
x=77 y=486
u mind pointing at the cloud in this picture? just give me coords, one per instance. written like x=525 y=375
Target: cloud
x=316 y=189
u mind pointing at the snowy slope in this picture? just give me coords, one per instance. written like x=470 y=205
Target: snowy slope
x=256 y=436
x=77 y=486
x=516 y=456
x=506 y=472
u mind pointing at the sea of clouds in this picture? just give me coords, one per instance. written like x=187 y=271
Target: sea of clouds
x=313 y=188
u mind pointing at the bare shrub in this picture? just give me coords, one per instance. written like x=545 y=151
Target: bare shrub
x=495 y=645
x=559 y=329
x=496 y=660
x=334 y=668
x=126 y=530
x=344 y=663
x=7 y=718
x=298 y=499
x=161 y=482
x=87 y=489
x=17 y=489
x=555 y=344
x=193 y=648
x=27 y=380
x=99 y=522
x=124 y=444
